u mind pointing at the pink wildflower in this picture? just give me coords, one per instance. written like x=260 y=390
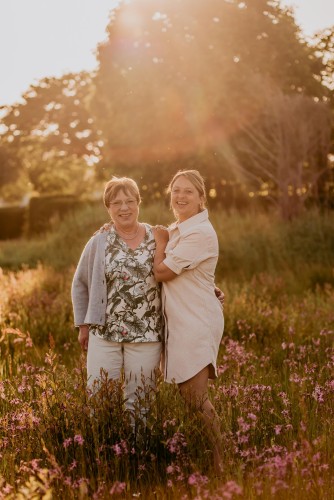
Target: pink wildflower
x=35 y=464
x=170 y=469
x=67 y=442
x=79 y=439
x=318 y=394
x=244 y=426
x=169 y=422
x=117 y=488
x=120 y=448
x=28 y=341
x=7 y=489
x=117 y=449
x=196 y=479
x=230 y=489
x=176 y=443
x=251 y=416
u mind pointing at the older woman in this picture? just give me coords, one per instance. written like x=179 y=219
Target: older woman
x=116 y=299
x=185 y=261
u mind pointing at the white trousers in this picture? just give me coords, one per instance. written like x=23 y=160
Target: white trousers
x=138 y=360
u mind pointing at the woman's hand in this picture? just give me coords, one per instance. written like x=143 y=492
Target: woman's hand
x=104 y=228
x=161 y=235
x=220 y=295
x=83 y=337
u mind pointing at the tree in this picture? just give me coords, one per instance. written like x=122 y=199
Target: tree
x=56 y=111
x=324 y=45
x=10 y=165
x=50 y=137
x=171 y=68
x=285 y=148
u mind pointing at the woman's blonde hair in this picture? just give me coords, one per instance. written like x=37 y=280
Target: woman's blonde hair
x=197 y=181
x=117 y=184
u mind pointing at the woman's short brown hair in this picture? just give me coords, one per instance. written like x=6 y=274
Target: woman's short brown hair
x=117 y=184
x=195 y=178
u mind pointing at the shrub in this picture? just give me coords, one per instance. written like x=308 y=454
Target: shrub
x=12 y=221
x=44 y=209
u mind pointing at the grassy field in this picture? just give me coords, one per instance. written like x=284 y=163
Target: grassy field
x=274 y=393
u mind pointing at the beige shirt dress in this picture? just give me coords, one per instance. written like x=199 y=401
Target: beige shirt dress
x=194 y=320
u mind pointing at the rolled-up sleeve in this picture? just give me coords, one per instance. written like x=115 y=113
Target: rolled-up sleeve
x=192 y=249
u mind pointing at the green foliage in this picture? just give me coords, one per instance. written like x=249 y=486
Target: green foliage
x=10 y=165
x=284 y=149
x=225 y=87
x=38 y=301
x=250 y=244
x=54 y=111
x=185 y=70
x=301 y=251
x=50 y=139
x=54 y=171
x=324 y=42
x=60 y=247
x=43 y=208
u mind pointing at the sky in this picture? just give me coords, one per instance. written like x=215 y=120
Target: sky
x=40 y=38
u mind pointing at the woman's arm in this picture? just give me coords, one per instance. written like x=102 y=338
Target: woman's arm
x=80 y=303
x=80 y=295
x=161 y=271
x=80 y=288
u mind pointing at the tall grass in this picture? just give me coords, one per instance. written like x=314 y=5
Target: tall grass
x=274 y=393
x=274 y=396
x=62 y=245
x=250 y=244
x=302 y=250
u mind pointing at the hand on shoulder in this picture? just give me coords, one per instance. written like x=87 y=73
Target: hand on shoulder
x=220 y=295
x=106 y=227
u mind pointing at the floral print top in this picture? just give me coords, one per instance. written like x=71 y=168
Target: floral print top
x=133 y=312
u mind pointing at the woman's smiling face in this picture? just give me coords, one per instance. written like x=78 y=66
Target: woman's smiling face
x=185 y=199
x=124 y=210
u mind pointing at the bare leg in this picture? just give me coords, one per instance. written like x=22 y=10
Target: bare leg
x=195 y=393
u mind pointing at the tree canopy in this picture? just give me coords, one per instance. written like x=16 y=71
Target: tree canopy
x=170 y=70
x=50 y=132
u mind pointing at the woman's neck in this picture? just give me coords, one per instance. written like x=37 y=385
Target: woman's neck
x=128 y=232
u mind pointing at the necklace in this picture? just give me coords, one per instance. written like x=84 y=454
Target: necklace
x=132 y=237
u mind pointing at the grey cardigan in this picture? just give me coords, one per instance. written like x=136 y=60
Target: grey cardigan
x=89 y=287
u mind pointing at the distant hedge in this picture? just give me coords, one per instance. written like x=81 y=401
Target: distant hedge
x=44 y=210
x=12 y=221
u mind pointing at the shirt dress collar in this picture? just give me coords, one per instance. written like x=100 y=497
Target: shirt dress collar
x=188 y=223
